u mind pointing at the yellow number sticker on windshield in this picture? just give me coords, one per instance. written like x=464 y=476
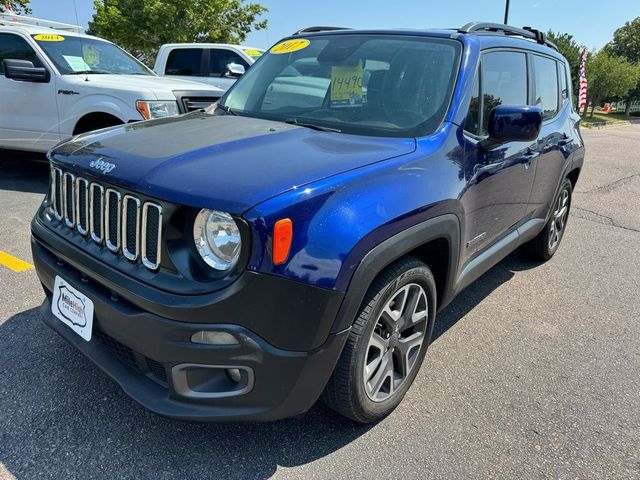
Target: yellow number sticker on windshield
x=290 y=46
x=346 y=85
x=253 y=53
x=48 y=37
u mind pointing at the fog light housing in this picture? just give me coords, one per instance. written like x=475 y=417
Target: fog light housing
x=214 y=338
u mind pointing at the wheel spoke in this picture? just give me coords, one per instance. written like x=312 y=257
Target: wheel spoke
x=407 y=350
x=376 y=350
x=385 y=371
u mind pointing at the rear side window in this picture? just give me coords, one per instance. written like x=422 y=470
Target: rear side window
x=546 y=85
x=220 y=58
x=184 y=61
x=16 y=48
x=504 y=82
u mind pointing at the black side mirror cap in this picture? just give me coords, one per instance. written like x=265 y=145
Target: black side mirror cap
x=514 y=123
x=25 y=71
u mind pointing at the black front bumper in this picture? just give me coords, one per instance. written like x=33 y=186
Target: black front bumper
x=145 y=351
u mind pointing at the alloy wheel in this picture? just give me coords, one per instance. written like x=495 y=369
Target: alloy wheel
x=559 y=219
x=395 y=343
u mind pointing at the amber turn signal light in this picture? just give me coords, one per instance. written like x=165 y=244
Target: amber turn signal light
x=282 y=235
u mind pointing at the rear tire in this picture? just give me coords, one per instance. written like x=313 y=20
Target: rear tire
x=546 y=243
x=386 y=345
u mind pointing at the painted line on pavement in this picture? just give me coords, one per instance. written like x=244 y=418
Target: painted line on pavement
x=14 y=263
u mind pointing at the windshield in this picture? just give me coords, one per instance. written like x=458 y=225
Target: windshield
x=74 y=55
x=382 y=85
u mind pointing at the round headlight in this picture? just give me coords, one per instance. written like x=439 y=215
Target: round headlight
x=217 y=239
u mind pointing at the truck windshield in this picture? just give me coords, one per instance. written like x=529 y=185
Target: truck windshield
x=72 y=55
x=381 y=85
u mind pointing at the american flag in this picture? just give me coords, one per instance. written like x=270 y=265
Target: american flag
x=582 y=96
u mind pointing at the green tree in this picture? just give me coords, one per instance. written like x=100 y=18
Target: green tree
x=17 y=6
x=626 y=44
x=141 y=26
x=609 y=77
x=571 y=50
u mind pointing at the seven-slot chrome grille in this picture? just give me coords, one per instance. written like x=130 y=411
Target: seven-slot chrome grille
x=121 y=222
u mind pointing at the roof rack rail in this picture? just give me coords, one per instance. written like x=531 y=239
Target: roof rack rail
x=316 y=29
x=526 y=32
x=13 y=19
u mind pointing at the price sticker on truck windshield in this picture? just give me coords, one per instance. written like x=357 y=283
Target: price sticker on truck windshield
x=346 y=85
x=48 y=37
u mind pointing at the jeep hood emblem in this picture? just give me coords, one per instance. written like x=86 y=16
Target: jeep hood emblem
x=102 y=166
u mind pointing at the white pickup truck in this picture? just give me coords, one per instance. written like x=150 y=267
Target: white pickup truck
x=218 y=64
x=56 y=82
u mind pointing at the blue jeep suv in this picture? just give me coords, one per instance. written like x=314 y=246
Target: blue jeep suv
x=295 y=240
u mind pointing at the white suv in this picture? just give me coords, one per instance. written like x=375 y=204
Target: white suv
x=56 y=82
x=218 y=64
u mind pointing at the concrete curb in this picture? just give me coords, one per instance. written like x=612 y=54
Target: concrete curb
x=605 y=125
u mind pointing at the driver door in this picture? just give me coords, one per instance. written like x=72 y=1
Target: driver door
x=28 y=111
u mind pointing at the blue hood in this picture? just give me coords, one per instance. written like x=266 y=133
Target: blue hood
x=223 y=162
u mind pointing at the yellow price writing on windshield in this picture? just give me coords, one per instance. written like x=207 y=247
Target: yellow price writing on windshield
x=48 y=37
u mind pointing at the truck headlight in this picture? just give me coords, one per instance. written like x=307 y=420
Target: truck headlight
x=217 y=239
x=157 y=108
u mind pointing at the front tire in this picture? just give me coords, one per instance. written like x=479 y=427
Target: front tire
x=546 y=243
x=386 y=345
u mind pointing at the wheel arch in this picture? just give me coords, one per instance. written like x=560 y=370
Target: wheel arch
x=435 y=241
x=95 y=120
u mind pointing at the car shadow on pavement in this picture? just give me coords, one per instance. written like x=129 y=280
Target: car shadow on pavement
x=22 y=172
x=60 y=417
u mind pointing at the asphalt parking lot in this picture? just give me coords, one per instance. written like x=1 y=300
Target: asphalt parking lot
x=534 y=371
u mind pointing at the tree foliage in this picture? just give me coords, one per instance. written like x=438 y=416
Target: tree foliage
x=17 y=6
x=571 y=50
x=141 y=26
x=626 y=44
x=610 y=77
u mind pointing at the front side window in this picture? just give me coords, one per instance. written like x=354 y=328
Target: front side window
x=220 y=58
x=504 y=82
x=12 y=47
x=184 y=61
x=382 y=85
x=546 y=85
x=78 y=55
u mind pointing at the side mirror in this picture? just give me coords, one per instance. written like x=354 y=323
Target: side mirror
x=234 y=70
x=514 y=123
x=25 y=71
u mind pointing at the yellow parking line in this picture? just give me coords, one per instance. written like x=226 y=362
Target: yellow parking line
x=13 y=263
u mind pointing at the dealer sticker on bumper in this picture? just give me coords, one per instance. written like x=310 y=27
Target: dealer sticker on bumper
x=72 y=308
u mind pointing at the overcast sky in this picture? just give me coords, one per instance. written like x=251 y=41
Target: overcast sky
x=591 y=22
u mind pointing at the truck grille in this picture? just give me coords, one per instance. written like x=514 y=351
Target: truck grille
x=122 y=223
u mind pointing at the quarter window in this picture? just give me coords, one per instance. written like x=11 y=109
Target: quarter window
x=16 y=48
x=564 y=89
x=546 y=85
x=184 y=61
x=504 y=82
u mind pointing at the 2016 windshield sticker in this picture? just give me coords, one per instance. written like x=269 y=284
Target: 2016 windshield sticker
x=289 y=46
x=253 y=53
x=346 y=85
x=48 y=37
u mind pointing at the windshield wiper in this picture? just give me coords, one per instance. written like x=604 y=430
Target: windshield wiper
x=226 y=109
x=313 y=126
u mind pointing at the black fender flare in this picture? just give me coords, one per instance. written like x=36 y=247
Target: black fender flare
x=445 y=226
